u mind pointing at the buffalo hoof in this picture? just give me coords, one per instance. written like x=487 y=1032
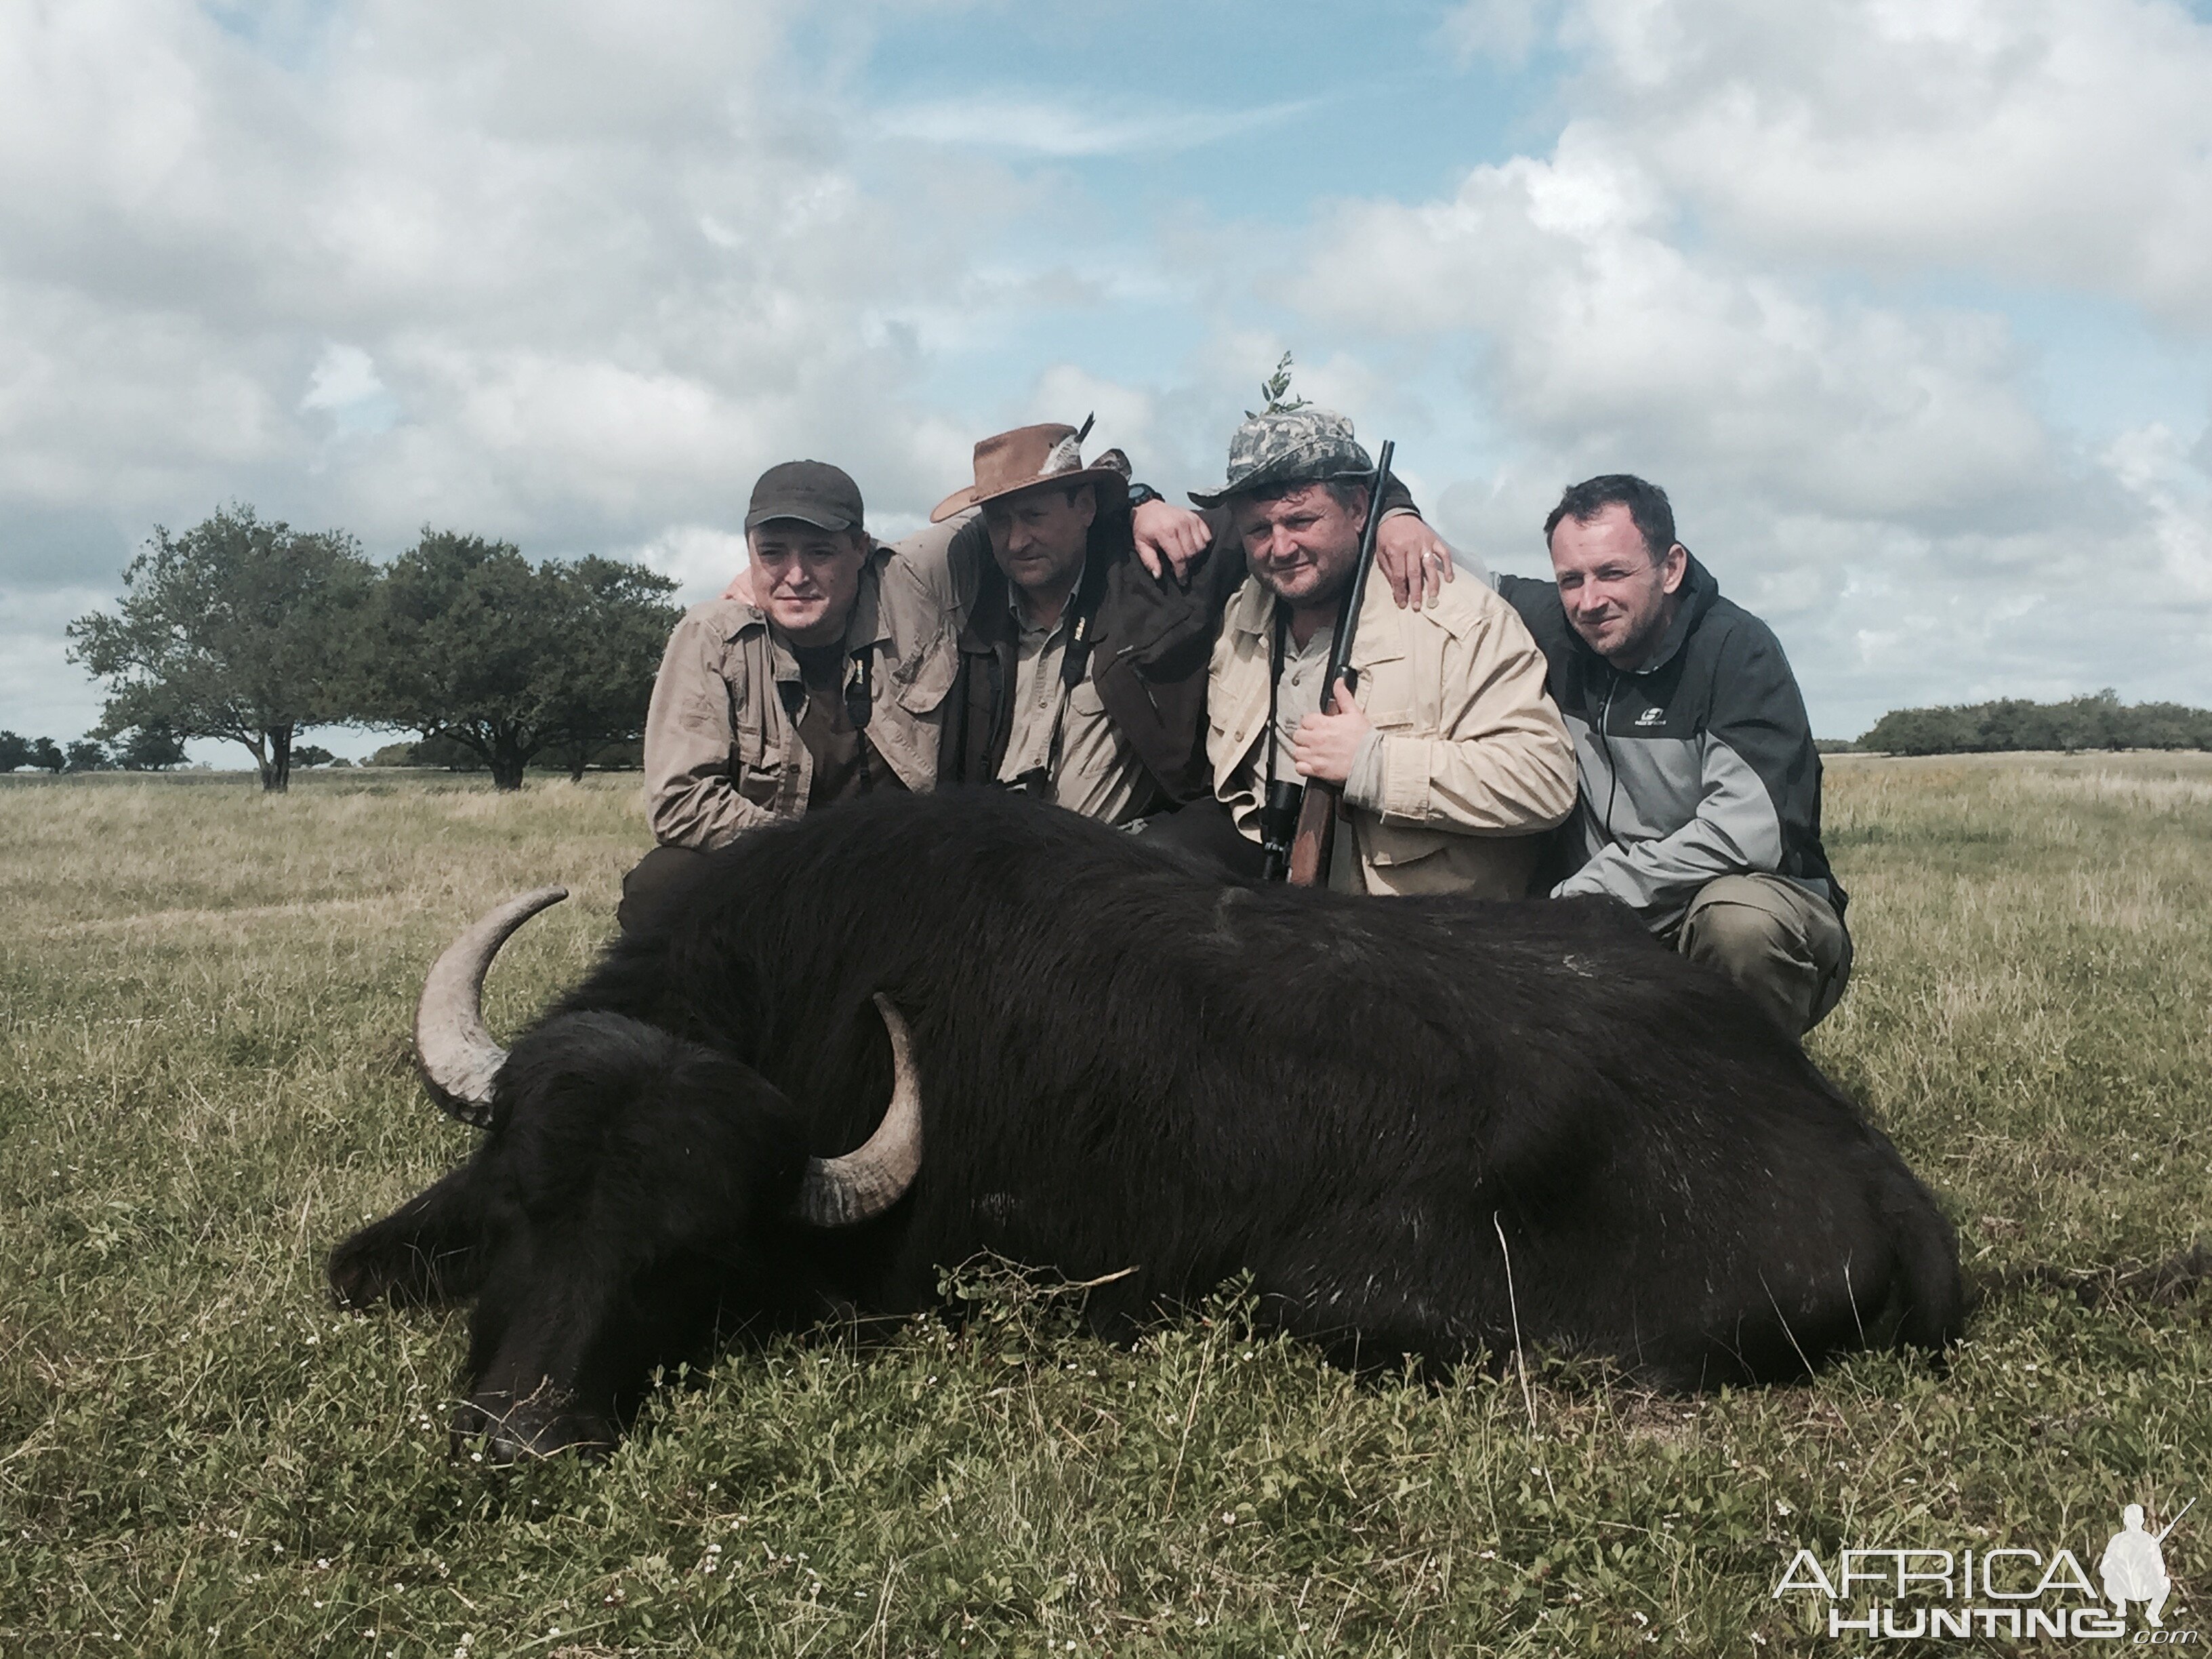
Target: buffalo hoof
x=502 y=1429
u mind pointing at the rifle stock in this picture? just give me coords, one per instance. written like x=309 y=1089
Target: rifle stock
x=1314 y=842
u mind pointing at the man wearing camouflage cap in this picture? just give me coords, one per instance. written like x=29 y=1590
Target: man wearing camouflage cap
x=1451 y=756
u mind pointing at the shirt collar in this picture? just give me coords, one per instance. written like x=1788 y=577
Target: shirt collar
x=1022 y=623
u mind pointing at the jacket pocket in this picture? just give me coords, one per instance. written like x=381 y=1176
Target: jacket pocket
x=1394 y=845
x=760 y=776
x=920 y=683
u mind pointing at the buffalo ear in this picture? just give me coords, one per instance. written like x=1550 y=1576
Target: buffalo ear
x=428 y=1252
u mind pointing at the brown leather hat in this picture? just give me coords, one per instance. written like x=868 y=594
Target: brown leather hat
x=1031 y=458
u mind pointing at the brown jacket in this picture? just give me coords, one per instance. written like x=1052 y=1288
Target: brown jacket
x=1476 y=763
x=721 y=751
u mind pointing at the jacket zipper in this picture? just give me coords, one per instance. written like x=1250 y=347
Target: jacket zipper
x=1605 y=741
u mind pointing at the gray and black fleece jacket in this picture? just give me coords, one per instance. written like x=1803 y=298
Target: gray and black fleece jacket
x=1699 y=766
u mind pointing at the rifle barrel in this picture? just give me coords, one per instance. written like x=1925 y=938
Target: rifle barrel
x=1314 y=837
x=1347 y=622
x=2176 y=1522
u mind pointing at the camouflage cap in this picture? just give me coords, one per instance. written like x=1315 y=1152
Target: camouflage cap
x=1289 y=446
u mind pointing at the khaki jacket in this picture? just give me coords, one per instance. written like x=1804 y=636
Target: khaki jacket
x=721 y=752
x=1476 y=763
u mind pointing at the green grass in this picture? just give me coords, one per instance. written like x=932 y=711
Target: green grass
x=204 y=1084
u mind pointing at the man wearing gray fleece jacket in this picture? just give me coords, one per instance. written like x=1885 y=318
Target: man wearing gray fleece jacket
x=1698 y=804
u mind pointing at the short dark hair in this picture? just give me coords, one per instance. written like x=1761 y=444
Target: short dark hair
x=854 y=534
x=1646 y=503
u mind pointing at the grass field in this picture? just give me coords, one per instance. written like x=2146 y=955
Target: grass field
x=205 y=1083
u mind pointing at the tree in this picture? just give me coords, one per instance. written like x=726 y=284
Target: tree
x=235 y=629
x=2100 y=721
x=472 y=644
x=625 y=621
x=149 y=748
x=45 y=752
x=86 y=755
x=14 y=751
x=310 y=754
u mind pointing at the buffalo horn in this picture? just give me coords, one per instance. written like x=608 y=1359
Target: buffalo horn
x=839 y=1192
x=457 y=1057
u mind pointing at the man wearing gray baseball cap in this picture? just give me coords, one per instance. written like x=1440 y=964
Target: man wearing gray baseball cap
x=823 y=684
x=1452 y=759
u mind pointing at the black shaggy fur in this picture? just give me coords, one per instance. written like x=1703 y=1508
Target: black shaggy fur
x=1128 y=1061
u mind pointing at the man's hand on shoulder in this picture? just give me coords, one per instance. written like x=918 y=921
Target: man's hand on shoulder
x=1412 y=558
x=1168 y=537
x=741 y=585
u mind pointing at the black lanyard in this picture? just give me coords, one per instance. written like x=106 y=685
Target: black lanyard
x=859 y=703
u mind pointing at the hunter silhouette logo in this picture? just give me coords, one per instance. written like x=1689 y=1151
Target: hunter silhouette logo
x=2002 y=1591
x=2133 y=1566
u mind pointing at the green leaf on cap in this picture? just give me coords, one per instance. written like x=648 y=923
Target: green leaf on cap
x=1275 y=389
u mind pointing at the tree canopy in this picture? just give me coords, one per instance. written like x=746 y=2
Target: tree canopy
x=2101 y=721
x=469 y=642
x=237 y=630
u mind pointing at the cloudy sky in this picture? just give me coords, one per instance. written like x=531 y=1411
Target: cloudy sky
x=1907 y=302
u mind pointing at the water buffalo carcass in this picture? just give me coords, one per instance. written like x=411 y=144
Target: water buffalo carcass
x=1424 y=1126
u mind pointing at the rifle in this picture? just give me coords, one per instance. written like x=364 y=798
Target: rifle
x=1321 y=803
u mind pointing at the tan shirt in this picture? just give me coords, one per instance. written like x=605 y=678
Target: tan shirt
x=721 y=754
x=1099 y=774
x=1474 y=760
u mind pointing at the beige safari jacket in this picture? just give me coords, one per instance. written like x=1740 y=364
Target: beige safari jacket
x=721 y=755
x=1476 y=763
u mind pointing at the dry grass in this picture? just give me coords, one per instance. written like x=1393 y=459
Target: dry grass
x=202 y=1084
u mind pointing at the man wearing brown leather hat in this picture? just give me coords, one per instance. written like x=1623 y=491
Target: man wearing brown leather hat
x=1083 y=651
x=825 y=683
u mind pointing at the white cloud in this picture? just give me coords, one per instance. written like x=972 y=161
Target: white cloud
x=2067 y=141
x=1601 y=335
x=701 y=557
x=1019 y=123
x=1680 y=288
x=573 y=274
x=1506 y=30
x=603 y=268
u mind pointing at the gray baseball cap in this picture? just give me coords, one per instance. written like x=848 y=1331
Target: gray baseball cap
x=1289 y=446
x=812 y=492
